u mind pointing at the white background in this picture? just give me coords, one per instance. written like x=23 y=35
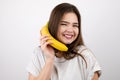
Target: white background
x=21 y=20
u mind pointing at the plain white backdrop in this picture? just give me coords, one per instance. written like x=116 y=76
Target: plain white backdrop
x=21 y=20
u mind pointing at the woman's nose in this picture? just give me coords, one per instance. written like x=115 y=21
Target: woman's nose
x=70 y=28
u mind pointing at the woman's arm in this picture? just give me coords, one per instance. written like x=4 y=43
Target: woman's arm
x=95 y=77
x=45 y=72
x=49 y=53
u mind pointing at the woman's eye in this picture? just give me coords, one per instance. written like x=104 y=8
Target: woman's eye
x=64 y=24
x=75 y=25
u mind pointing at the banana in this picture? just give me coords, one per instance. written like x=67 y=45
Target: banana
x=56 y=44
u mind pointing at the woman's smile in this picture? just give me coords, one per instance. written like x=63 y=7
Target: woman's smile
x=68 y=36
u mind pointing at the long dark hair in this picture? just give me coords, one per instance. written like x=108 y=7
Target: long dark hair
x=55 y=17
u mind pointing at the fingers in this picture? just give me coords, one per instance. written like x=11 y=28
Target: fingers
x=40 y=34
x=44 y=40
x=48 y=50
x=47 y=43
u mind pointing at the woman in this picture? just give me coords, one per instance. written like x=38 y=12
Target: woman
x=78 y=63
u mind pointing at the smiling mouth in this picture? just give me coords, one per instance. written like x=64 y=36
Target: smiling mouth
x=68 y=36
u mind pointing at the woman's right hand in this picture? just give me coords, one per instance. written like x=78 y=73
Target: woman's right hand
x=46 y=48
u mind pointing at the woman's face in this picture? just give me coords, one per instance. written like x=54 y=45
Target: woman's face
x=68 y=28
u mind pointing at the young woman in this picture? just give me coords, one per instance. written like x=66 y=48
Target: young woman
x=78 y=63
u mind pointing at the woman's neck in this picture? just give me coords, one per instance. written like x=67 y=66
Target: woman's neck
x=59 y=54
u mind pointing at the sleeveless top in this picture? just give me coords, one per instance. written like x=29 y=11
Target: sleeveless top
x=67 y=69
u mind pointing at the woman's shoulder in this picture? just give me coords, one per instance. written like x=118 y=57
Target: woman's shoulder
x=39 y=54
x=37 y=51
x=81 y=48
x=84 y=50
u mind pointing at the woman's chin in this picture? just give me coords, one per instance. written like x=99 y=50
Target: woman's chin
x=68 y=42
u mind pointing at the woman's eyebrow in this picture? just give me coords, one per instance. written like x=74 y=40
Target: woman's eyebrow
x=64 y=22
x=68 y=22
x=75 y=23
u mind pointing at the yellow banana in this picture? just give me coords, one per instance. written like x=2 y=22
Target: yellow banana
x=56 y=44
